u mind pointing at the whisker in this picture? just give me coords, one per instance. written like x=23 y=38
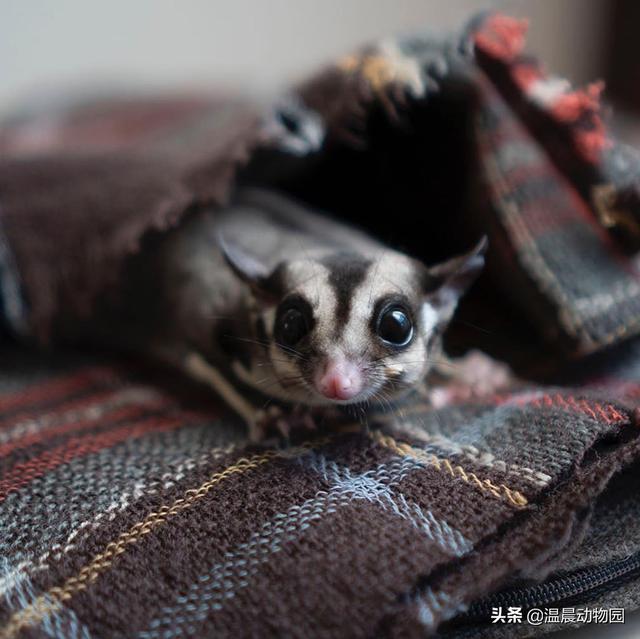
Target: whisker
x=280 y=381
x=258 y=342
x=472 y=325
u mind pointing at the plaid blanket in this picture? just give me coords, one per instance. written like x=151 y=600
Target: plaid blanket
x=130 y=501
x=131 y=506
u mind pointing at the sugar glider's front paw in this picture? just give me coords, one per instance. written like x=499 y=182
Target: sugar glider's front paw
x=266 y=422
x=275 y=420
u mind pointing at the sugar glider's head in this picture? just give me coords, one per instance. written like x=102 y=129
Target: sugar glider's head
x=341 y=328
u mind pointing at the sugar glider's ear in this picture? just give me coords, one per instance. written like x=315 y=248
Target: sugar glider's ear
x=447 y=282
x=249 y=269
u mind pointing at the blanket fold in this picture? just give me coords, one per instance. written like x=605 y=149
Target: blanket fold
x=462 y=137
x=155 y=518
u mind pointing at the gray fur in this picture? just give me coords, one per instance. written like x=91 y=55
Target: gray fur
x=221 y=276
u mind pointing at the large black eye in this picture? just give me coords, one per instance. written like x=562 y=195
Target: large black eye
x=395 y=327
x=291 y=327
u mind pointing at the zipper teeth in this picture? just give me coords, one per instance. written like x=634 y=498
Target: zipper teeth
x=566 y=587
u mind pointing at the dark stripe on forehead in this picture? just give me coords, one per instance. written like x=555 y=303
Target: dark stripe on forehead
x=346 y=272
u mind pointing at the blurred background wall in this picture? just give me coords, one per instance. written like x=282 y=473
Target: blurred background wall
x=257 y=44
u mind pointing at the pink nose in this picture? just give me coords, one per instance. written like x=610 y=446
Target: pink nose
x=341 y=379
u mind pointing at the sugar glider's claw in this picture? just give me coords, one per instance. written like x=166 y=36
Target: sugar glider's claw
x=275 y=420
x=283 y=427
x=308 y=422
x=267 y=421
x=303 y=418
x=257 y=427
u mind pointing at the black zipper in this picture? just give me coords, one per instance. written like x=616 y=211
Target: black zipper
x=572 y=587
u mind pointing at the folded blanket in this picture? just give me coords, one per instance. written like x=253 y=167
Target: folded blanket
x=133 y=506
x=462 y=136
x=79 y=189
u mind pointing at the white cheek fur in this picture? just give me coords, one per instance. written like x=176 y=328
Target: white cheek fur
x=429 y=317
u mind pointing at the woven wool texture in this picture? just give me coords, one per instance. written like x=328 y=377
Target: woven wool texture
x=548 y=219
x=612 y=537
x=132 y=507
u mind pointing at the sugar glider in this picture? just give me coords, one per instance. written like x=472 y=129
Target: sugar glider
x=300 y=307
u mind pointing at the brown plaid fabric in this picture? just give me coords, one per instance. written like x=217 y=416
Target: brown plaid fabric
x=131 y=504
x=133 y=507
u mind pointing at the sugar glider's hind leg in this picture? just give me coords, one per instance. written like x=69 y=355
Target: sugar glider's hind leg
x=472 y=376
x=198 y=368
x=260 y=421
